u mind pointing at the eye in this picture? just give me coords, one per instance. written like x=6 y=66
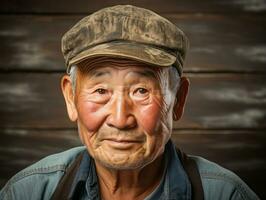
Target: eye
x=101 y=91
x=141 y=92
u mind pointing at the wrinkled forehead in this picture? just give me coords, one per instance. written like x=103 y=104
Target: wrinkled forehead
x=101 y=66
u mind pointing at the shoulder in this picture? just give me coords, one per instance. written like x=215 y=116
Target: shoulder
x=39 y=180
x=220 y=183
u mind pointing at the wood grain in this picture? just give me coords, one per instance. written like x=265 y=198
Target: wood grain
x=225 y=101
x=218 y=43
x=161 y=6
x=240 y=151
x=215 y=101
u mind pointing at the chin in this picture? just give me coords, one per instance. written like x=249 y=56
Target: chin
x=124 y=164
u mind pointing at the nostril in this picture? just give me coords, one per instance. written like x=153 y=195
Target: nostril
x=128 y=122
x=132 y=123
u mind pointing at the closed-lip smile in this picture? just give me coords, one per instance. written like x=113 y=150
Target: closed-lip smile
x=122 y=143
x=124 y=140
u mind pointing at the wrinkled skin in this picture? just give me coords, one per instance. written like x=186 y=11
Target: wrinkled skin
x=124 y=112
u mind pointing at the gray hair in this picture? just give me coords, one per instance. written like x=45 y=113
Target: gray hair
x=73 y=77
x=174 y=79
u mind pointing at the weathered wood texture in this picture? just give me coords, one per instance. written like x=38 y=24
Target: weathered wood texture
x=161 y=6
x=216 y=101
x=217 y=42
x=240 y=151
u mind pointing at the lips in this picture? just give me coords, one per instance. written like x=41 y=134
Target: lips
x=124 y=140
x=122 y=143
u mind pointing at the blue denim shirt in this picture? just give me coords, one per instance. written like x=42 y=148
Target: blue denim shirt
x=40 y=180
x=174 y=184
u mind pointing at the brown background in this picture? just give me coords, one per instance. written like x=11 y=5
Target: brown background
x=225 y=119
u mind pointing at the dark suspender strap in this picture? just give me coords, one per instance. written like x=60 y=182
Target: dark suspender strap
x=191 y=168
x=64 y=186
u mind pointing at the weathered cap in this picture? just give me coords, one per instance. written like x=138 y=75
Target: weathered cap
x=126 y=31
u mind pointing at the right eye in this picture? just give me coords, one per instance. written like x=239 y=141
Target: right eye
x=141 y=92
x=100 y=95
x=101 y=91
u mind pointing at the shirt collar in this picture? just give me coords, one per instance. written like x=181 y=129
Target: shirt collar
x=85 y=179
x=177 y=184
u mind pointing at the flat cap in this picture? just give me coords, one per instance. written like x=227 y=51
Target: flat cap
x=129 y=32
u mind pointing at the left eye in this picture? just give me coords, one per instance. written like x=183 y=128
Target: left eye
x=101 y=91
x=141 y=91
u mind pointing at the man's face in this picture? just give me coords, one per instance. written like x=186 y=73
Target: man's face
x=124 y=114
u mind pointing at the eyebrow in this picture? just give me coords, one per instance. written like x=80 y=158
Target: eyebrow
x=98 y=74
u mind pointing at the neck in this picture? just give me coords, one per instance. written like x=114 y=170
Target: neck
x=129 y=184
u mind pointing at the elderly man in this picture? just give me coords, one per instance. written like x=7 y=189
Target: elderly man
x=124 y=88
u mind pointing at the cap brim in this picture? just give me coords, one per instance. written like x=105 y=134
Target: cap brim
x=140 y=52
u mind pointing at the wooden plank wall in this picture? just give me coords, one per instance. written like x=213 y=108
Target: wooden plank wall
x=225 y=118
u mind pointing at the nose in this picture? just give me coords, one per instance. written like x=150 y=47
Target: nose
x=120 y=115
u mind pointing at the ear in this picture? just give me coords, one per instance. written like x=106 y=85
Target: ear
x=66 y=87
x=181 y=97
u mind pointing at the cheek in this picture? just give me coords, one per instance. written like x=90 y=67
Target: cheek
x=149 y=117
x=91 y=115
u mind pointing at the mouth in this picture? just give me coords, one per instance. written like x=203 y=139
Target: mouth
x=122 y=143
